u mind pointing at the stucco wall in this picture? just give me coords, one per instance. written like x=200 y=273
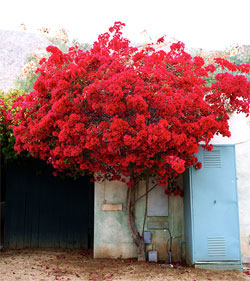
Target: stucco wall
x=240 y=128
x=112 y=237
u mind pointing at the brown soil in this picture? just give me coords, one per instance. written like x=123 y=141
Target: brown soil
x=76 y=265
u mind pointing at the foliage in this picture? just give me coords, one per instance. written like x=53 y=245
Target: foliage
x=7 y=112
x=127 y=113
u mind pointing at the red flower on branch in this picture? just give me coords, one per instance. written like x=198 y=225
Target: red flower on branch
x=124 y=112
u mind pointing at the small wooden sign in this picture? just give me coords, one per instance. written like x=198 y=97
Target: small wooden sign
x=111 y=207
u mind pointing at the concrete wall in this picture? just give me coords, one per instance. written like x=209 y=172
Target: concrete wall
x=112 y=237
x=240 y=128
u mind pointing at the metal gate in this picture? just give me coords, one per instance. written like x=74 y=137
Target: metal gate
x=46 y=211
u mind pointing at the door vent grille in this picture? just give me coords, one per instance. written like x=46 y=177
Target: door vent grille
x=216 y=246
x=212 y=159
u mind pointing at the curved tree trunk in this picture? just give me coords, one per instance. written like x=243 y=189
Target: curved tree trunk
x=138 y=239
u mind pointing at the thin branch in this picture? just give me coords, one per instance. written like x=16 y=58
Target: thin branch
x=135 y=186
x=210 y=79
x=146 y=207
x=137 y=181
x=133 y=200
x=131 y=220
x=145 y=193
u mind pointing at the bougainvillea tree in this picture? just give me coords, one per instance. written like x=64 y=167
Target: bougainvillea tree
x=127 y=114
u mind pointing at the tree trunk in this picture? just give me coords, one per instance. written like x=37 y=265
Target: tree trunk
x=137 y=238
x=141 y=250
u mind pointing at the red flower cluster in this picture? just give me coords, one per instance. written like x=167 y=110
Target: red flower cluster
x=125 y=112
x=3 y=112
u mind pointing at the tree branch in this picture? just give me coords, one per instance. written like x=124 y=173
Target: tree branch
x=146 y=206
x=131 y=219
x=145 y=193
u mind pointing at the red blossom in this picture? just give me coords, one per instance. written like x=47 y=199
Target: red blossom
x=198 y=166
x=123 y=112
x=160 y=40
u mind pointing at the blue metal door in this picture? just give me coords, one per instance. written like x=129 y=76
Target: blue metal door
x=215 y=206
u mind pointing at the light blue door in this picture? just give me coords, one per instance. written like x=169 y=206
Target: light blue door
x=215 y=206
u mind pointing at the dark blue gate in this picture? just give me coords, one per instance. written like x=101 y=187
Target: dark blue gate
x=46 y=211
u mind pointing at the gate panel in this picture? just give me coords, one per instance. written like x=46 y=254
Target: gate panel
x=46 y=211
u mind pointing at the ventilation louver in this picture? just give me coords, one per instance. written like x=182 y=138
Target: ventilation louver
x=212 y=159
x=216 y=246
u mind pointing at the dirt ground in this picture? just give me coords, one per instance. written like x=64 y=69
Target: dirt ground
x=77 y=265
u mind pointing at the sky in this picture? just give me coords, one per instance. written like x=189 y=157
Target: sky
x=207 y=24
